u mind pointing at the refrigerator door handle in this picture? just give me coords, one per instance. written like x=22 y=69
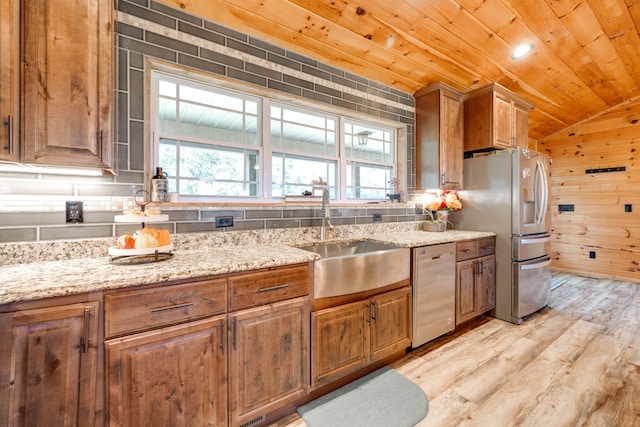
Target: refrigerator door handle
x=542 y=194
x=533 y=241
x=536 y=265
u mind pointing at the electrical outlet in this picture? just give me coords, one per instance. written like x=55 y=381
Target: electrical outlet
x=592 y=254
x=377 y=217
x=224 y=221
x=74 y=212
x=628 y=208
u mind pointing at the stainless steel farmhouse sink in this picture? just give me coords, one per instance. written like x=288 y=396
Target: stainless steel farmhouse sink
x=346 y=268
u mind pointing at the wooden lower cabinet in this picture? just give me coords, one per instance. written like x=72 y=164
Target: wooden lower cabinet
x=486 y=284
x=475 y=287
x=48 y=366
x=466 y=307
x=391 y=323
x=269 y=359
x=174 y=376
x=351 y=336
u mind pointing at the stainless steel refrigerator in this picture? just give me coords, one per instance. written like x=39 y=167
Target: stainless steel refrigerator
x=507 y=192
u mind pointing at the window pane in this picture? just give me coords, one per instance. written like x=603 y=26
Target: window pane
x=167 y=156
x=368 y=181
x=167 y=115
x=214 y=124
x=215 y=188
x=292 y=175
x=367 y=143
x=251 y=107
x=303 y=132
x=211 y=98
x=231 y=172
x=167 y=89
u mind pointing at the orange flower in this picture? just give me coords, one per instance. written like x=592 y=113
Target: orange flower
x=444 y=200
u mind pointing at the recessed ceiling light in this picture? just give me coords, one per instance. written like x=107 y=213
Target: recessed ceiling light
x=521 y=50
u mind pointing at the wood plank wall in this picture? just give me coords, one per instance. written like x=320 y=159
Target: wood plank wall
x=599 y=223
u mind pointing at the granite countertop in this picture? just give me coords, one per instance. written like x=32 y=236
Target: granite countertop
x=56 y=278
x=46 y=279
x=414 y=239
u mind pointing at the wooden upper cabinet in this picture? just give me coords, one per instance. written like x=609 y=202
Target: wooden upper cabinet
x=67 y=50
x=521 y=124
x=495 y=118
x=9 y=79
x=503 y=122
x=439 y=137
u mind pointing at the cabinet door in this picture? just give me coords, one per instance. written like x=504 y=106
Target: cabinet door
x=451 y=143
x=339 y=341
x=503 y=122
x=269 y=364
x=465 y=291
x=67 y=71
x=175 y=376
x=486 y=284
x=390 y=323
x=48 y=366
x=9 y=78
x=521 y=126
x=439 y=137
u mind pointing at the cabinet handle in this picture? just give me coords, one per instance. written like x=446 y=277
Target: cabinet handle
x=481 y=268
x=234 y=332
x=466 y=251
x=223 y=343
x=85 y=334
x=373 y=310
x=171 y=307
x=274 y=288
x=9 y=124
x=444 y=180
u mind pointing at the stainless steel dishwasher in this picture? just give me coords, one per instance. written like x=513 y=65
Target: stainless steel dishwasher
x=434 y=292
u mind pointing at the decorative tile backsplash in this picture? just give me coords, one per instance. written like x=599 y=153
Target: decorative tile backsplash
x=32 y=205
x=49 y=224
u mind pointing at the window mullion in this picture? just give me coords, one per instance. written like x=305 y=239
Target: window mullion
x=264 y=123
x=342 y=155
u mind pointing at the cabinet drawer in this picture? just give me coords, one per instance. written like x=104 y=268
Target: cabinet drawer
x=248 y=290
x=466 y=250
x=486 y=246
x=136 y=310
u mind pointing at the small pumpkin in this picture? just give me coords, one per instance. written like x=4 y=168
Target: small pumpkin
x=145 y=241
x=126 y=242
x=163 y=237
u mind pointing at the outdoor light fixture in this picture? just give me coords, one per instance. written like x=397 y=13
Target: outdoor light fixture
x=363 y=137
x=521 y=50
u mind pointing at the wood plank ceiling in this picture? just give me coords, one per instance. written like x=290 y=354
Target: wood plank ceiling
x=586 y=56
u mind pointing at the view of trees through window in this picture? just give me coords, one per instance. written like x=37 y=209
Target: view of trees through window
x=214 y=142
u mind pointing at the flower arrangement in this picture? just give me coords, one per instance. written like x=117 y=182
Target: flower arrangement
x=441 y=202
x=444 y=200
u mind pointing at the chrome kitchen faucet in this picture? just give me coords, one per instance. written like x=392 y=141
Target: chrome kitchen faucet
x=326 y=214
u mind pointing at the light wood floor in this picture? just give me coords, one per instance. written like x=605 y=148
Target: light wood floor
x=574 y=363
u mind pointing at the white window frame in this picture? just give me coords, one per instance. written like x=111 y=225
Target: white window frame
x=264 y=147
